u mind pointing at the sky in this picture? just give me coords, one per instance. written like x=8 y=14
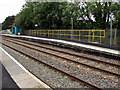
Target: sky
x=9 y=8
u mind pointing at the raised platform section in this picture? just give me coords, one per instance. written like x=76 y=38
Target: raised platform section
x=81 y=46
x=22 y=77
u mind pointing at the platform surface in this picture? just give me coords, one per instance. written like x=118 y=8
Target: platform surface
x=21 y=76
x=97 y=48
x=6 y=80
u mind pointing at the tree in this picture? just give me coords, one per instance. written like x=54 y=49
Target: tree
x=49 y=15
x=116 y=14
x=58 y=15
x=8 y=23
x=24 y=19
x=97 y=14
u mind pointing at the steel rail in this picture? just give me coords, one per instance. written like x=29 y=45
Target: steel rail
x=69 y=75
x=116 y=74
x=70 y=53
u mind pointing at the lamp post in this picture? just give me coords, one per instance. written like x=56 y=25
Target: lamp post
x=111 y=30
x=72 y=23
x=72 y=32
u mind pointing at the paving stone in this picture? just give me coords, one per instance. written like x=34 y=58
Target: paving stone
x=14 y=70
x=8 y=63
x=21 y=77
x=28 y=83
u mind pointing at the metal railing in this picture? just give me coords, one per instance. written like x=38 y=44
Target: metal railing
x=79 y=35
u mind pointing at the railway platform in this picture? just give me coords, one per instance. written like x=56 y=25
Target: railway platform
x=19 y=76
x=69 y=44
x=6 y=81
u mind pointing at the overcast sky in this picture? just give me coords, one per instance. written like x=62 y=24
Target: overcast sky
x=9 y=8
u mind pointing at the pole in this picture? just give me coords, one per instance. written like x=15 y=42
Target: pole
x=72 y=32
x=0 y=26
x=111 y=31
x=72 y=23
x=115 y=36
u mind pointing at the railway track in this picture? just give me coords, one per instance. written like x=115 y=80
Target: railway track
x=80 y=56
x=71 y=76
x=117 y=74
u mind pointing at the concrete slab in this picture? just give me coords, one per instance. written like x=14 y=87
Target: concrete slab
x=21 y=77
x=28 y=83
x=8 y=63
x=15 y=69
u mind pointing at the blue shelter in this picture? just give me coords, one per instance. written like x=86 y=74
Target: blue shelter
x=16 y=30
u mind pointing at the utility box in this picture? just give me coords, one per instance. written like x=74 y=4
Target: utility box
x=16 y=30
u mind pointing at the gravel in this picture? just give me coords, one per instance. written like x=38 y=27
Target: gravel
x=82 y=60
x=78 y=53
x=95 y=77
x=85 y=61
x=49 y=76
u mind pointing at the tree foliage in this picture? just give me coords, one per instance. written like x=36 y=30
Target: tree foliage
x=8 y=23
x=59 y=15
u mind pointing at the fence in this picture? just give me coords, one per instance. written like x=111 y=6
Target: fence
x=78 y=35
x=115 y=40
